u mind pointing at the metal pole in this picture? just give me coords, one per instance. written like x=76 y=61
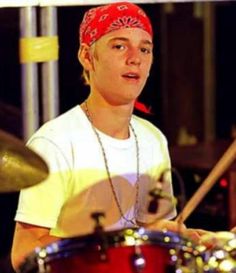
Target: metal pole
x=49 y=69
x=29 y=76
x=165 y=8
x=209 y=72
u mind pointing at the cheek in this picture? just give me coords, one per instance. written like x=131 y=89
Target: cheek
x=105 y=73
x=109 y=68
x=148 y=66
x=105 y=64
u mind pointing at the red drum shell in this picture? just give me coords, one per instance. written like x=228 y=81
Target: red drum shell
x=122 y=251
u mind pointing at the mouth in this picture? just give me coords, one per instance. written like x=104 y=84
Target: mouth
x=131 y=76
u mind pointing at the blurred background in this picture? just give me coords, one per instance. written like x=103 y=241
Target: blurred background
x=191 y=94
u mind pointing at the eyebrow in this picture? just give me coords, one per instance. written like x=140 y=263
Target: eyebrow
x=145 y=41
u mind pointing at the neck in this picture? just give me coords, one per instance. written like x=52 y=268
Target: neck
x=113 y=121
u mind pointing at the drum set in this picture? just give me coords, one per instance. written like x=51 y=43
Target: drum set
x=131 y=250
x=134 y=251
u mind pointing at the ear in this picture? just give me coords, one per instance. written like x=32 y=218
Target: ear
x=85 y=57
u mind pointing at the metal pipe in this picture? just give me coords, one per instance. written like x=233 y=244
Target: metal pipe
x=29 y=76
x=50 y=86
x=209 y=72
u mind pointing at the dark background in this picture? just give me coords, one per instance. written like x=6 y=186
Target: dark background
x=72 y=90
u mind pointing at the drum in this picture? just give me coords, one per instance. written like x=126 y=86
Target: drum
x=219 y=252
x=123 y=251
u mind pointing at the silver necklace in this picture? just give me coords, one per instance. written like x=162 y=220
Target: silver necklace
x=132 y=221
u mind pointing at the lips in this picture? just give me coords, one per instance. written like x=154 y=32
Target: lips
x=131 y=76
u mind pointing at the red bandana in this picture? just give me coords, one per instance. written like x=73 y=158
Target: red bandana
x=104 y=19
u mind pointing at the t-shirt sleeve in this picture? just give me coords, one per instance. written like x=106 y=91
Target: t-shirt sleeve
x=41 y=204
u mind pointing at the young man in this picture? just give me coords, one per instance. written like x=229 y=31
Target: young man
x=101 y=157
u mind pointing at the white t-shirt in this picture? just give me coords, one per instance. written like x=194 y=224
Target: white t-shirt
x=78 y=183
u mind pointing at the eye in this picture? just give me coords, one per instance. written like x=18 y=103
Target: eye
x=146 y=50
x=118 y=46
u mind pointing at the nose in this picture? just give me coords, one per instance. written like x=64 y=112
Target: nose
x=133 y=57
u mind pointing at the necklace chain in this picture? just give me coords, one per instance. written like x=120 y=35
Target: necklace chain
x=132 y=221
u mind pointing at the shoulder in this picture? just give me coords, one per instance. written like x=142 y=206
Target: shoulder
x=60 y=128
x=64 y=121
x=148 y=130
x=58 y=137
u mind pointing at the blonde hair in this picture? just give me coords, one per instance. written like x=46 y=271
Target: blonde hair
x=85 y=77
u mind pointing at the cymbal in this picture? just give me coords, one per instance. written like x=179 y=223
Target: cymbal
x=20 y=167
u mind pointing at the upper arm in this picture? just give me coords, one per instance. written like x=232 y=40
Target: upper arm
x=233 y=229
x=26 y=238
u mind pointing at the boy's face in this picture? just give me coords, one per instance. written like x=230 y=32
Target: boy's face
x=121 y=62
